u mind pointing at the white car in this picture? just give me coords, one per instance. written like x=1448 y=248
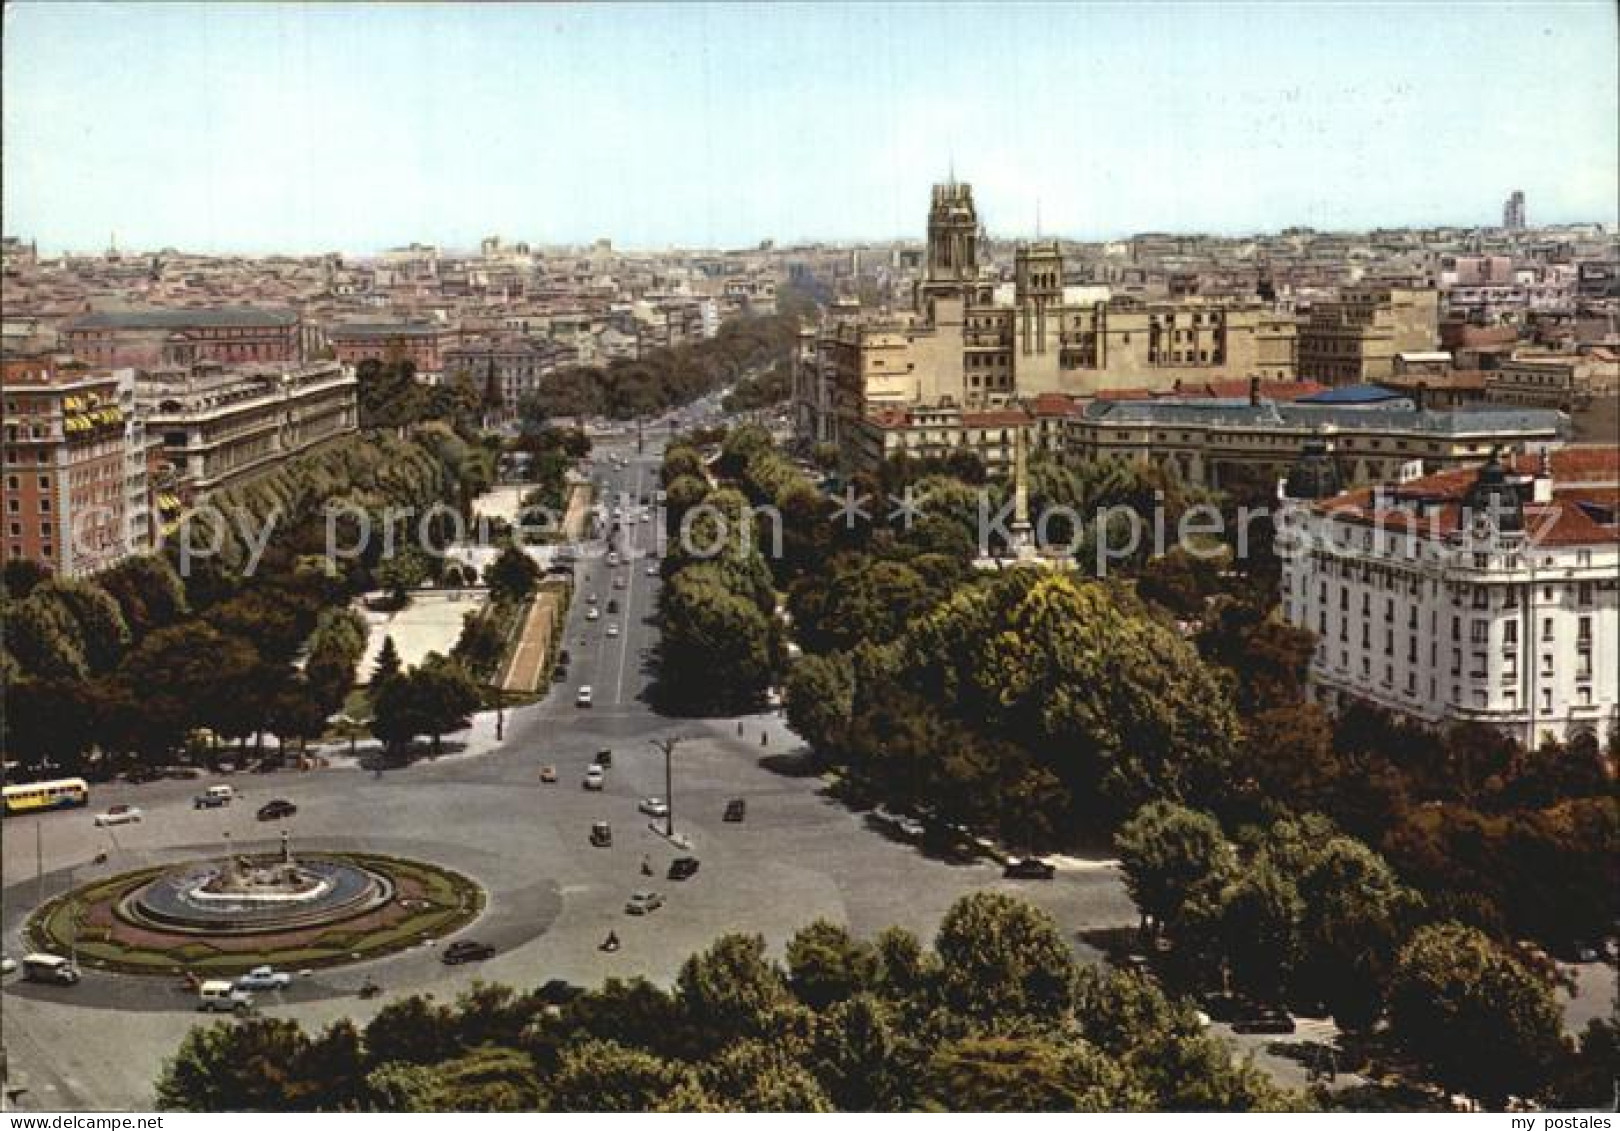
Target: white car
x=118 y=815
x=612 y=630
x=582 y=698
x=264 y=978
x=644 y=903
x=652 y=570
x=595 y=777
x=654 y=806
x=592 y=614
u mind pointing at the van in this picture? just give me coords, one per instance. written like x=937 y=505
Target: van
x=214 y=797
x=220 y=996
x=50 y=968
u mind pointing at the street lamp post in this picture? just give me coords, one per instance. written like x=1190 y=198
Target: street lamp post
x=667 y=745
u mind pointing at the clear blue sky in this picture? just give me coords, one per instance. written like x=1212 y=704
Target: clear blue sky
x=282 y=127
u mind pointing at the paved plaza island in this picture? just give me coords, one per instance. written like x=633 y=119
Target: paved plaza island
x=224 y=915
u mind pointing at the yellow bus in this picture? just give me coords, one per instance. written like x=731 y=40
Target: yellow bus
x=39 y=796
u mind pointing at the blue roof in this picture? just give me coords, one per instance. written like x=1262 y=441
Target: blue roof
x=1353 y=394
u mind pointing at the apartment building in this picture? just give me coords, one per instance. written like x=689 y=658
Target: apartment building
x=423 y=344
x=517 y=365
x=1487 y=594
x=1354 y=339
x=219 y=426
x=1564 y=381
x=1218 y=442
x=231 y=335
x=76 y=493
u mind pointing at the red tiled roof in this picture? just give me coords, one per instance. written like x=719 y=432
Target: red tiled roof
x=1582 y=474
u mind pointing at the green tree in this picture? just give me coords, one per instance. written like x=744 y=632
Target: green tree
x=1470 y=1012
x=233 y=1067
x=820 y=699
x=860 y=1058
x=825 y=965
x=512 y=576
x=387 y=664
x=1011 y=1074
x=1001 y=958
x=604 y=1076
x=445 y=695
x=731 y=989
x=1171 y=856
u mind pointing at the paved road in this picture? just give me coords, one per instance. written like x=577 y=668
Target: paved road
x=799 y=855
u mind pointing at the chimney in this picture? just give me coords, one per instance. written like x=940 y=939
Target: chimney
x=1254 y=391
x=1541 y=488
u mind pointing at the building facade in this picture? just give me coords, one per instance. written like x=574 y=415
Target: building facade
x=1564 y=381
x=518 y=366
x=1488 y=594
x=974 y=342
x=423 y=344
x=237 y=335
x=219 y=426
x=76 y=493
x=1354 y=339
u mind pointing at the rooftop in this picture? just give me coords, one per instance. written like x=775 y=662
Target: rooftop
x=185 y=318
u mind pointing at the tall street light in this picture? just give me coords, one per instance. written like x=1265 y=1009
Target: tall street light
x=667 y=745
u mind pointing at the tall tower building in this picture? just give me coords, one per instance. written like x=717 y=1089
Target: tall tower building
x=1513 y=212
x=1038 y=277
x=953 y=234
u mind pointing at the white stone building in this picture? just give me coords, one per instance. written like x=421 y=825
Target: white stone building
x=1489 y=595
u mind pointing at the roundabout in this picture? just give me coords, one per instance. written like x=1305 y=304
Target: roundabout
x=229 y=914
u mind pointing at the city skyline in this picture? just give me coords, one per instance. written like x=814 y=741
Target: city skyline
x=265 y=128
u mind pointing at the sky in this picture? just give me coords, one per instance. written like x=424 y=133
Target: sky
x=309 y=128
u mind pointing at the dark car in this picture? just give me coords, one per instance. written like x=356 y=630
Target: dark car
x=559 y=992
x=563 y=657
x=1028 y=868
x=140 y=775
x=683 y=867
x=601 y=834
x=1264 y=1021
x=604 y=756
x=613 y=606
x=736 y=809
x=277 y=809
x=466 y=950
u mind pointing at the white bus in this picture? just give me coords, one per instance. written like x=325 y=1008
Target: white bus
x=40 y=796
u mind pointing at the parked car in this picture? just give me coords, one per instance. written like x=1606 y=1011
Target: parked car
x=643 y=903
x=652 y=569
x=1264 y=1020
x=8 y=965
x=590 y=598
x=264 y=978
x=214 y=797
x=736 y=810
x=466 y=950
x=601 y=834
x=276 y=810
x=1028 y=868
x=592 y=613
x=683 y=867
x=140 y=775
x=118 y=815
x=613 y=607
x=582 y=698
x=604 y=757
x=595 y=777
x=612 y=631
x=618 y=583
x=548 y=774
x=654 y=806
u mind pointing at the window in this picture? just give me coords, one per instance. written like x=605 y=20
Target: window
x=1546 y=628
